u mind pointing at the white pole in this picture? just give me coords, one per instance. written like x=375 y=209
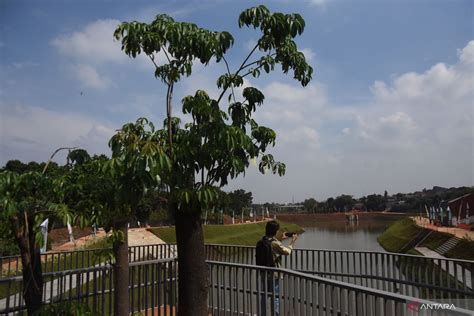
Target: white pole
x=44 y=232
x=69 y=230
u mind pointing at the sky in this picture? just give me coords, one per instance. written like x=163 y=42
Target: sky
x=390 y=106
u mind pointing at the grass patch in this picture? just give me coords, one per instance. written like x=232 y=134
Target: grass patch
x=398 y=235
x=435 y=240
x=423 y=271
x=463 y=250
x=244 y=234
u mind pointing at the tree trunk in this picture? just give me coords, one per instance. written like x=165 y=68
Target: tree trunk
x=192 y=268
x=31 y=263
x=121 y=273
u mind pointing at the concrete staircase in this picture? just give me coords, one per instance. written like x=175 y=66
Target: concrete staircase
x=448 y=245
x=415 y=241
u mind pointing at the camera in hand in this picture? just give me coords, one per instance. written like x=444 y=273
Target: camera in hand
x=289 y=234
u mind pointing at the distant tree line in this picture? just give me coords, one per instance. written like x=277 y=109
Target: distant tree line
x=400 y=202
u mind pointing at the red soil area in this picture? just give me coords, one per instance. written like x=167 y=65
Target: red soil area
x=60 y=236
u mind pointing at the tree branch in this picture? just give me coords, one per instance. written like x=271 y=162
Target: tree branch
x=240 y=68
x=166 y=53
x=254 y=62
x=169 y=112
x=54 y=153
x=228 y=71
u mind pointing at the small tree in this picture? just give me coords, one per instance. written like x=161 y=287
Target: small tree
x=109 y=191
x=28 y=199
x=216 y=145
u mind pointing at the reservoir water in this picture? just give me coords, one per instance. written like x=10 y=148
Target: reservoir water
x=343 y=235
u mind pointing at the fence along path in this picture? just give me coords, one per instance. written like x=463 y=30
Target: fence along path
x=236 y=289
x=57 y=267
x=409 y=276
x=414 y=276
x=239 y=289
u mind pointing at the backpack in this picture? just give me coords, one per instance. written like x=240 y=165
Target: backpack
x=264 y=253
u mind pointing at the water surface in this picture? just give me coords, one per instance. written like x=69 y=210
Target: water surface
x=343 y=235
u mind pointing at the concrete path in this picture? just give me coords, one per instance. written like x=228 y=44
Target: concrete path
x=458 y=232
x=452 y=271
x=142 y=237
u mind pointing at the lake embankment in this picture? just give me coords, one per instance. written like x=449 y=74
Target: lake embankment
x=329 y=217
x=239 y=234
x=403 y=232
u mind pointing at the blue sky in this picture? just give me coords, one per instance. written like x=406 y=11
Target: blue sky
x=390 y=106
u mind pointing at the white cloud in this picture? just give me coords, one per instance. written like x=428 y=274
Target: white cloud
x=24 y=64
x=29 y=133
x=319 y=3
x=416 y=131
x=466 y=55
x=93 y=51
x=308 y=53
x=94 y=43
x=250 y=44
x=438 y=102
x=89 y=77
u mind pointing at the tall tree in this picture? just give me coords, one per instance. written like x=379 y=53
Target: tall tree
x=310 y=204
x=375 y=202
x=240 y=199
x=216 y=145
x=343 y=202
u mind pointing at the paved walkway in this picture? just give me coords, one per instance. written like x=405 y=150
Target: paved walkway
x=453 y=271
x=458 y=232
x=142 y=237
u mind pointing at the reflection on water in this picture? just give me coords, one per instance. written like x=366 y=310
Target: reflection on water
x=343 y=235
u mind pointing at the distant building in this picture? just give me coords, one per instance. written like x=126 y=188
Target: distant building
x=463 y=209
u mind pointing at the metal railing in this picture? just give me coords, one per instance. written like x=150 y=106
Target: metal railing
x=152 y=288
x=241 y=289
x=76 y=259
x=440 y=280
x=415 y=276
x=235 y=289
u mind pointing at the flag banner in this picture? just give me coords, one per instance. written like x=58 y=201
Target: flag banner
x=459 y=213
x=44 y=232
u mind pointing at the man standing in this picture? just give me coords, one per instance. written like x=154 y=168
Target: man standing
x=269 y=251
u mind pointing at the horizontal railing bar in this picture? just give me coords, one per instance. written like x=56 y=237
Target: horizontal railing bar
x=374 y=277
x=352 y=252
x=377 y=294
x=306 y=276
x=89 y=269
